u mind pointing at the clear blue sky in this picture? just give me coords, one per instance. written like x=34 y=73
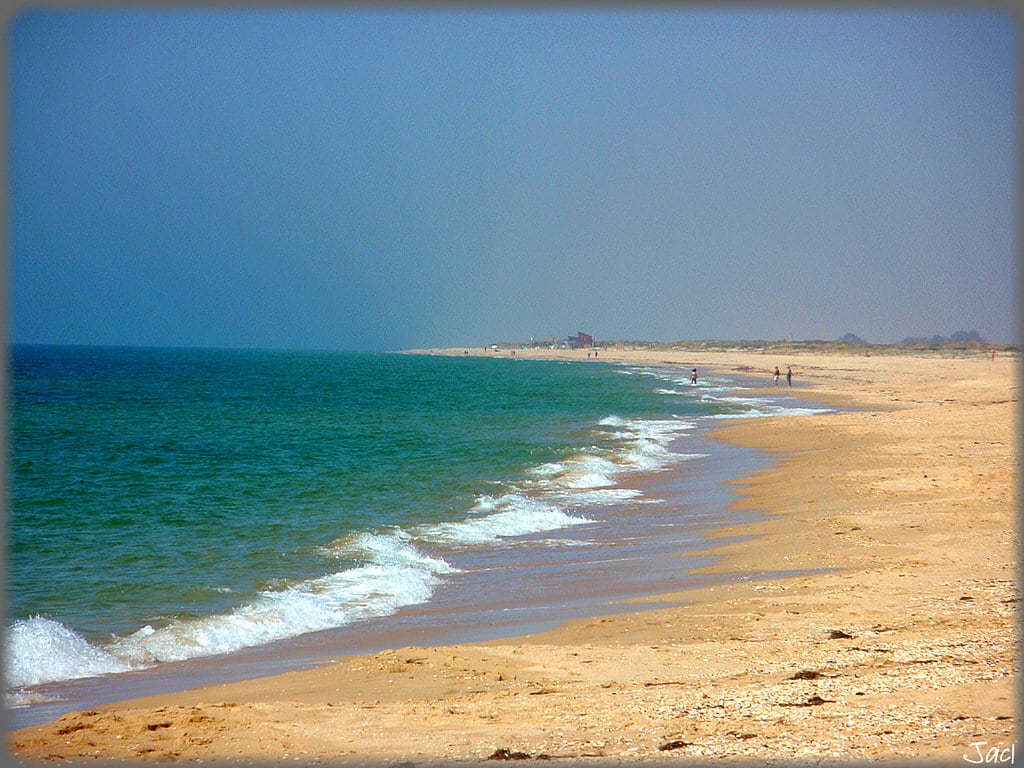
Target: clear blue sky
x=350 y=178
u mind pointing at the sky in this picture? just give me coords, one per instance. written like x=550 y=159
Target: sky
x=379 y=179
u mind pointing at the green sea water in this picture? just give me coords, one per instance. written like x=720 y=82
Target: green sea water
x=168 y=504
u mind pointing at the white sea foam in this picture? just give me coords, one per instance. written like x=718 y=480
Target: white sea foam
x=585 y=471
x=494 y=518
x=390 y=572
x=749 y=401
x=784 y=411
x=642 y=446
x=646 y=442
x=563 y=543
x=591 y=478
x=550 y=469
x=22 y=697
x=596 y=497
x=41 y=650
x=755 y=407
x=393 y=574
x=378 y=588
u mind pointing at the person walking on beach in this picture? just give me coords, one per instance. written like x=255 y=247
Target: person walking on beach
x=693 y=376
x=789 y=376
x=777 y=374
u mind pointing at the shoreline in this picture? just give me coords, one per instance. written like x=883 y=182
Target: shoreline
x=914 y=556
x=630 y=551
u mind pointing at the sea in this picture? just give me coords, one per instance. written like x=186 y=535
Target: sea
x=182 y=516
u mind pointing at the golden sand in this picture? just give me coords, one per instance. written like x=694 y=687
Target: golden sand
x=896 y=643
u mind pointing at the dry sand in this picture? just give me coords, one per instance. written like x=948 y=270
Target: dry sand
x=902 y=647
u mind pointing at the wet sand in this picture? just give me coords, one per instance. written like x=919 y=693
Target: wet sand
x=895 y=641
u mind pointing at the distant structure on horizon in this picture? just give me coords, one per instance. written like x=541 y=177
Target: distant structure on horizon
x=580 y=341
x=960 y=337
x=851 y=338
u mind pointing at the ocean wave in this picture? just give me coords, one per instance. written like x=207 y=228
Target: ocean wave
x=646 y=441
x=548 y=469
x=643 y=446
x=366 y=591
x=596 y=497
x=389 y=572
x=587 y=471
x=754 y=407
x=788 y=411
x=41 y=650
x=493 y=518
x=393 y=574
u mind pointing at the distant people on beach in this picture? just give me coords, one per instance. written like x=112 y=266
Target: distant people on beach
x=693 y=376
x=993 y=351
x=777 y=374
x=789 y=376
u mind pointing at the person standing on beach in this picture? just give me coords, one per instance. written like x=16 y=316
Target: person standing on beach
x=789 y=376
x=777 y=374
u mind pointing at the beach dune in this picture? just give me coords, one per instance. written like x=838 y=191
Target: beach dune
x=894 y=640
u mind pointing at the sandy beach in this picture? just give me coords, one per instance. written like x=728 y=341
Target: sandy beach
x=897 y=643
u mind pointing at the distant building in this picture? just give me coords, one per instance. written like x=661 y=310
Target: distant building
x=580 y=341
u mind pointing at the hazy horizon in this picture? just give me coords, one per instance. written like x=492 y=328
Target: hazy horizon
x=471 y=344
x=385 y=179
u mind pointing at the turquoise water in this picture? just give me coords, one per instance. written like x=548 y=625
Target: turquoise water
x=170 y=504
